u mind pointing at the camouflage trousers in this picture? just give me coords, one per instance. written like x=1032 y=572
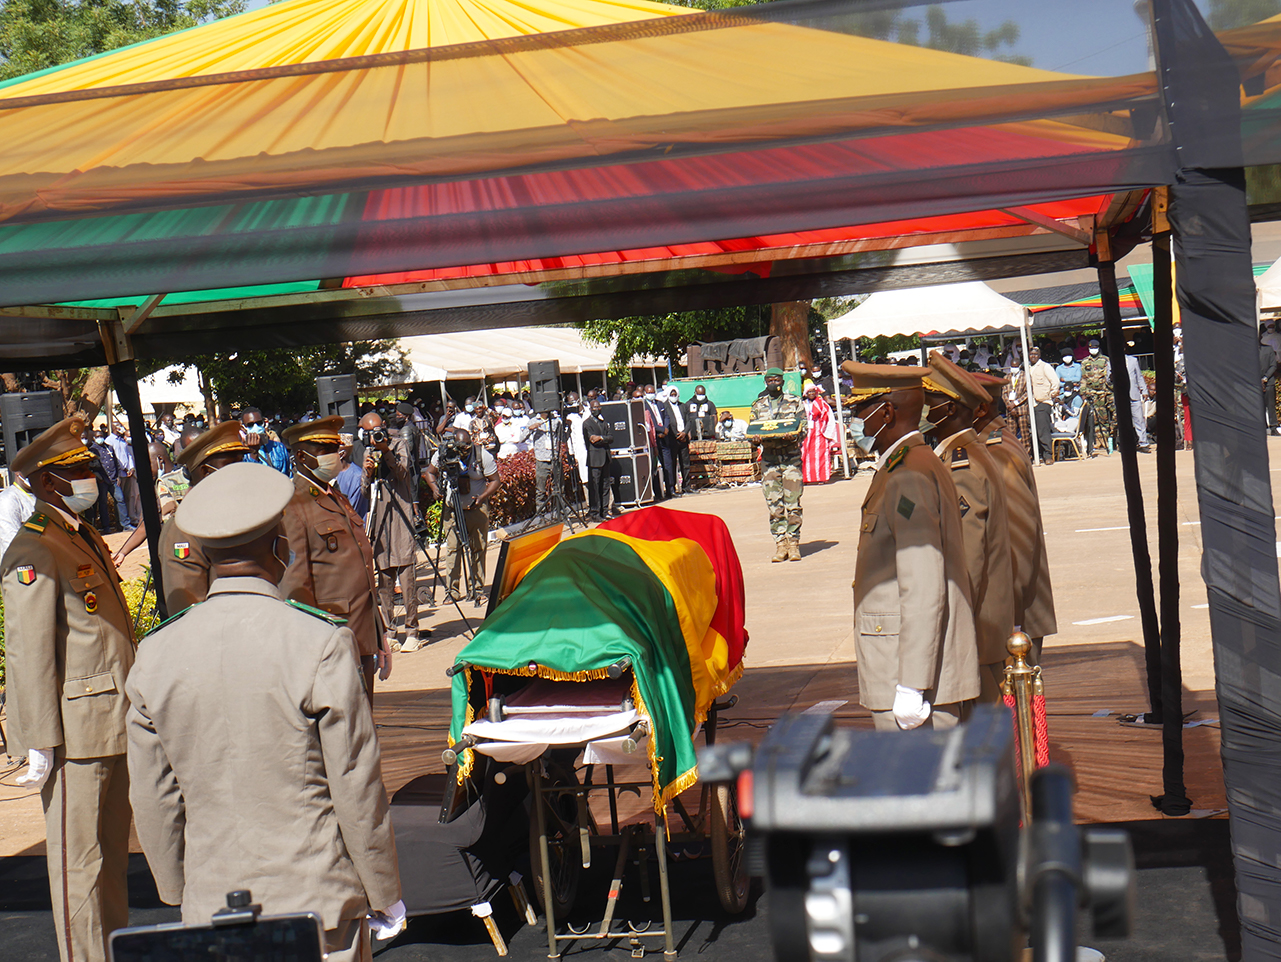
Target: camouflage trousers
x=1104 y=406
x=782 y=483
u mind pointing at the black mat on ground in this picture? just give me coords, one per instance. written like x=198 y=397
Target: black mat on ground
x=1186 y=910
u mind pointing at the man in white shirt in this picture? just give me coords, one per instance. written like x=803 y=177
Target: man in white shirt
x=126 y=481
x=463 y=419
x=16 y=505
x=512 y=434
x=1043 y=386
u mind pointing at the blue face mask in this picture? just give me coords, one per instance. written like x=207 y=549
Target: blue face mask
x=864 y=441
x=259 y=428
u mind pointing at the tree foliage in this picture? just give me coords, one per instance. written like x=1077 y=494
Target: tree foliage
x=37 y=34
x=666 y=336
x=1228 y=14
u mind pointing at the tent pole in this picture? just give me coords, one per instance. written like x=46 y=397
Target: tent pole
x=1173 y=800
x=124 y=375
x=840 y=420
x=1027 y=385
x=444 y=398
x=578 y=379
x=1128 y=442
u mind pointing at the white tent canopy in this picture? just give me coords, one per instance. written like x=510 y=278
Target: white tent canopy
x=158 y=389
x=1269 y=286
x=506 y=353
x=971 y=306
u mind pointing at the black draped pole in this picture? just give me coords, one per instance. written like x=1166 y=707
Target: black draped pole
x=124 y=377
x=1127 y=444
x=1173 y=800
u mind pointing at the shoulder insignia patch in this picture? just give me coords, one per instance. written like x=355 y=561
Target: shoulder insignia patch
x=26 y=574
x=906 y=506
x=994 y=437
x=960 y=459
x=314 y=492
x=182 y=550
x=171 y=619
x=37 y=522
x=317 y=613
x=896 y=459
x=963 y=505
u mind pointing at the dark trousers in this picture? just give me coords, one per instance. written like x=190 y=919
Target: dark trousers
x=1270 y=401
x=1087 y=426
x=598 y=478
x=1043 y=427
x=675 y=464
x=542 y=476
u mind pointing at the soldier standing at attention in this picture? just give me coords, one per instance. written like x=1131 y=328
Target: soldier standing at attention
x=69 y=647
x=952 y=396
x=1030 y=568
x=184 y=569
x=251 y=743
x=781 y=478
x=1096 y=388
x=333 y=563
x=914 y=624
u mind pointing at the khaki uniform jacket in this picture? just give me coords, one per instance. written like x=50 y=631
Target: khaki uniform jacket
x=256 y=765
x=390 y=522
x=912 y=617
x=184 y=569
x=1033 y=592
x=69 y=640
x=333 y=567
x=985 y=527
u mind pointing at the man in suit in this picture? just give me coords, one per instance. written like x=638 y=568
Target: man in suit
x=256 y=765
x=69 y=647
x=184 y=569
x=676 y=443
x=1029 y=567
x=914 y=624
x=952 y=396
x=333 y=566
x=600 y=438
x=1139 y=394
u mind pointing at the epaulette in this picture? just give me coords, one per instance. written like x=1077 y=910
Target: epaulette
x=37 y=522
x=960 y=459
x=896 y=459
x=170 y=620
x=317 y=613
x=994 y=437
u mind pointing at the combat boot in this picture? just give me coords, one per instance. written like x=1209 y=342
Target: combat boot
x=780 y=550
x=793 y=549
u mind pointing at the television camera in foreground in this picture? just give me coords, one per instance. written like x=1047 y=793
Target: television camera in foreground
x=907 y=846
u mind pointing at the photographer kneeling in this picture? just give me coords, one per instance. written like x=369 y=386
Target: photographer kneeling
x=463 y=466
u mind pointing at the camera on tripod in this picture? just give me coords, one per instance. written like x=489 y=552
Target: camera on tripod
x=452 y=451
x=906 y=846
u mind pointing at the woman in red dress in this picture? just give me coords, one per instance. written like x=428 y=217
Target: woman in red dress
x=821 y=439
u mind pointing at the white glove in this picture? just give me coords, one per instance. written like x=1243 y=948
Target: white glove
x=388 y=923
x=39 y=766
x=910 y=708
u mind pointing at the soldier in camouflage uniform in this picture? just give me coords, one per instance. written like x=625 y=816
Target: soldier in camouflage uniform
x=781 y=466
x=1096 y=388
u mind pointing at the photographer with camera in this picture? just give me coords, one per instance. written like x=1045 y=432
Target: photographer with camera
x=389 y=481
x=258 y=764
x=463 y=465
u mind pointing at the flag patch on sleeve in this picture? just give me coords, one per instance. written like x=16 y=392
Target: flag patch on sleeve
x=26 y=574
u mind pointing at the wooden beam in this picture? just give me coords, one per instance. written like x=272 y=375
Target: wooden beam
x=1049 y=223
x=140 y=313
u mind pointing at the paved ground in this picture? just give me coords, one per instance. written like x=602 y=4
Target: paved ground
x=801 y=646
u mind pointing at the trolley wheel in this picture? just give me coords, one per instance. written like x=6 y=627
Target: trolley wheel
x=729 y=862
x=564 y=851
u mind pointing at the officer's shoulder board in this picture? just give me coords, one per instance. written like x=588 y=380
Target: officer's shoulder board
x=960 y=459
x=171 y=619
x=37 y=522
x=994 y=437
x=896 y=459
x=334 y=620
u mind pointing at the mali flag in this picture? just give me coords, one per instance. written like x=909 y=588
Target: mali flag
x=597 y=597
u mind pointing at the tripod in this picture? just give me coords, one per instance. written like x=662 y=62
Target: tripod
x=453 y=504
x=562 y=510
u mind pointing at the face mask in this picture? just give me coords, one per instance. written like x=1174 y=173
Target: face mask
x=275 y=551
x=1068 y=359
x=1094 y=352
x=84 y=494
x=327 y=466
x=258 y=428
x=471 y=408
x=926 y=425
x=864 y=441
x=774 y=389
x=700 y=395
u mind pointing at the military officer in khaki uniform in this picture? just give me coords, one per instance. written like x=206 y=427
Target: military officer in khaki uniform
x=914 y=624
x=184 y=570
x=333 y=566
x=1033 y=592
x=69 y=647
x=251 y=743
x=952 y=396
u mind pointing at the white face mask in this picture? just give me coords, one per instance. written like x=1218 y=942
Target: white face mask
x=1094 y=352
x=328 y=466
x=865 y=441
x=84 y=494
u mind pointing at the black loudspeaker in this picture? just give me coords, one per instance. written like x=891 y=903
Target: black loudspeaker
x=627 y=419
x=337 y=395
x=23 y=416
x=633 y=478
x=544 y=386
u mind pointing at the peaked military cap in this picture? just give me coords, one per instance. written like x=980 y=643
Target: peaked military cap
x=224 y=438
x=873 y=379
x=234 y=506
x=954 y=381
x=319 y=431
x=992 y=385
x=58 y=446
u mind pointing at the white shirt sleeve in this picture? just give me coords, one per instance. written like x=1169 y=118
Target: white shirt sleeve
x=16 y=506
x=578 y=445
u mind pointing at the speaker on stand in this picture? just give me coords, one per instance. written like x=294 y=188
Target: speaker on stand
x=544 y=386
x=337 y=395
x=23 y=416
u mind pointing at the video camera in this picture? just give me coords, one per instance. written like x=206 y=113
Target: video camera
x=906 y=846
x=237 y=933
x=452 y=451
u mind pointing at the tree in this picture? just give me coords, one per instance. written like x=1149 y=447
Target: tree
x=1229 y=14
x=667 y=335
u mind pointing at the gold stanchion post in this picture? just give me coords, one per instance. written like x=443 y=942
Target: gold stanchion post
x=1022 y=681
